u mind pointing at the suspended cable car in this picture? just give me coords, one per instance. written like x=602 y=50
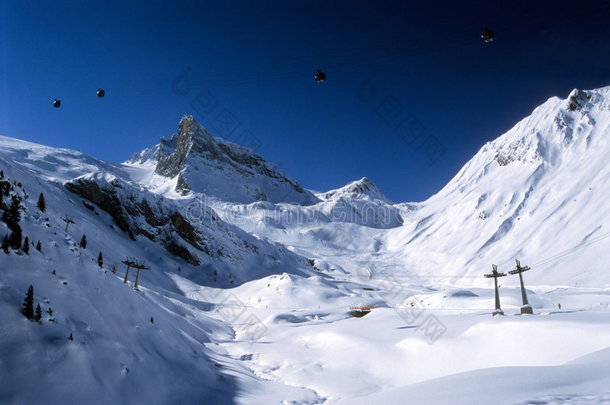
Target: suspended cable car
x=487 y=35
x=320 y=77
x=56 y=103
x=100 y=93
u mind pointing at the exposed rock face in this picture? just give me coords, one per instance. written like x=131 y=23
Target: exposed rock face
x=578 y=99
x=180 y=251
x=106 y=199
x=127 y=213
x=185 y=229
x=190 y=136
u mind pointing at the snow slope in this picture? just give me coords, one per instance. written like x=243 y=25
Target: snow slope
x=117 y=354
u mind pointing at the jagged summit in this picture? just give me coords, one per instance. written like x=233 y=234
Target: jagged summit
x=200 y=162
x=191 y=138
x=363 y=189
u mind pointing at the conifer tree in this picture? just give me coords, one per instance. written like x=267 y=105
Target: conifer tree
x=39 y=246
x=26 y=245
x=5 y=244
x=28 y=303
x=42 y=206
x=12 y=215
x=83 y=242
x=38 y=315
x=14 y=239
x=100 y=260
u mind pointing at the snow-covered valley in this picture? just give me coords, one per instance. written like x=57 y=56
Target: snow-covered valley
x=255 y=290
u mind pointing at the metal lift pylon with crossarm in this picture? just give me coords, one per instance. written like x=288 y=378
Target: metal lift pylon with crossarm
x=526 y=308
x=495 y=274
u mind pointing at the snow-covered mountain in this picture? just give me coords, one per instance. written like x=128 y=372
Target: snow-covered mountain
x=198 y=162
x=237 y=250
x=534 y=193
x=363 y=189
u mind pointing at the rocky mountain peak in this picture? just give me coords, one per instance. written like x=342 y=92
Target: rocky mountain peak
x=173 y=153
x=202 y=163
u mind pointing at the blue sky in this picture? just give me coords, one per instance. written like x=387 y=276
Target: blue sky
x=412 y=93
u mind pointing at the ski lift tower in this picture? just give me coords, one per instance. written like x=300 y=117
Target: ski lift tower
x=495 y=274
x=129 y=263
x=139 y=266
x=68 y=221
x=526 y=308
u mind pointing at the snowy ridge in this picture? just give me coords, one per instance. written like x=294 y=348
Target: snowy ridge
x=53 y=164
x=535 y=191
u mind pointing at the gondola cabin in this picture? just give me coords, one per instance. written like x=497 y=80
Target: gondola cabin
x=320 y=77
x=487 y=36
